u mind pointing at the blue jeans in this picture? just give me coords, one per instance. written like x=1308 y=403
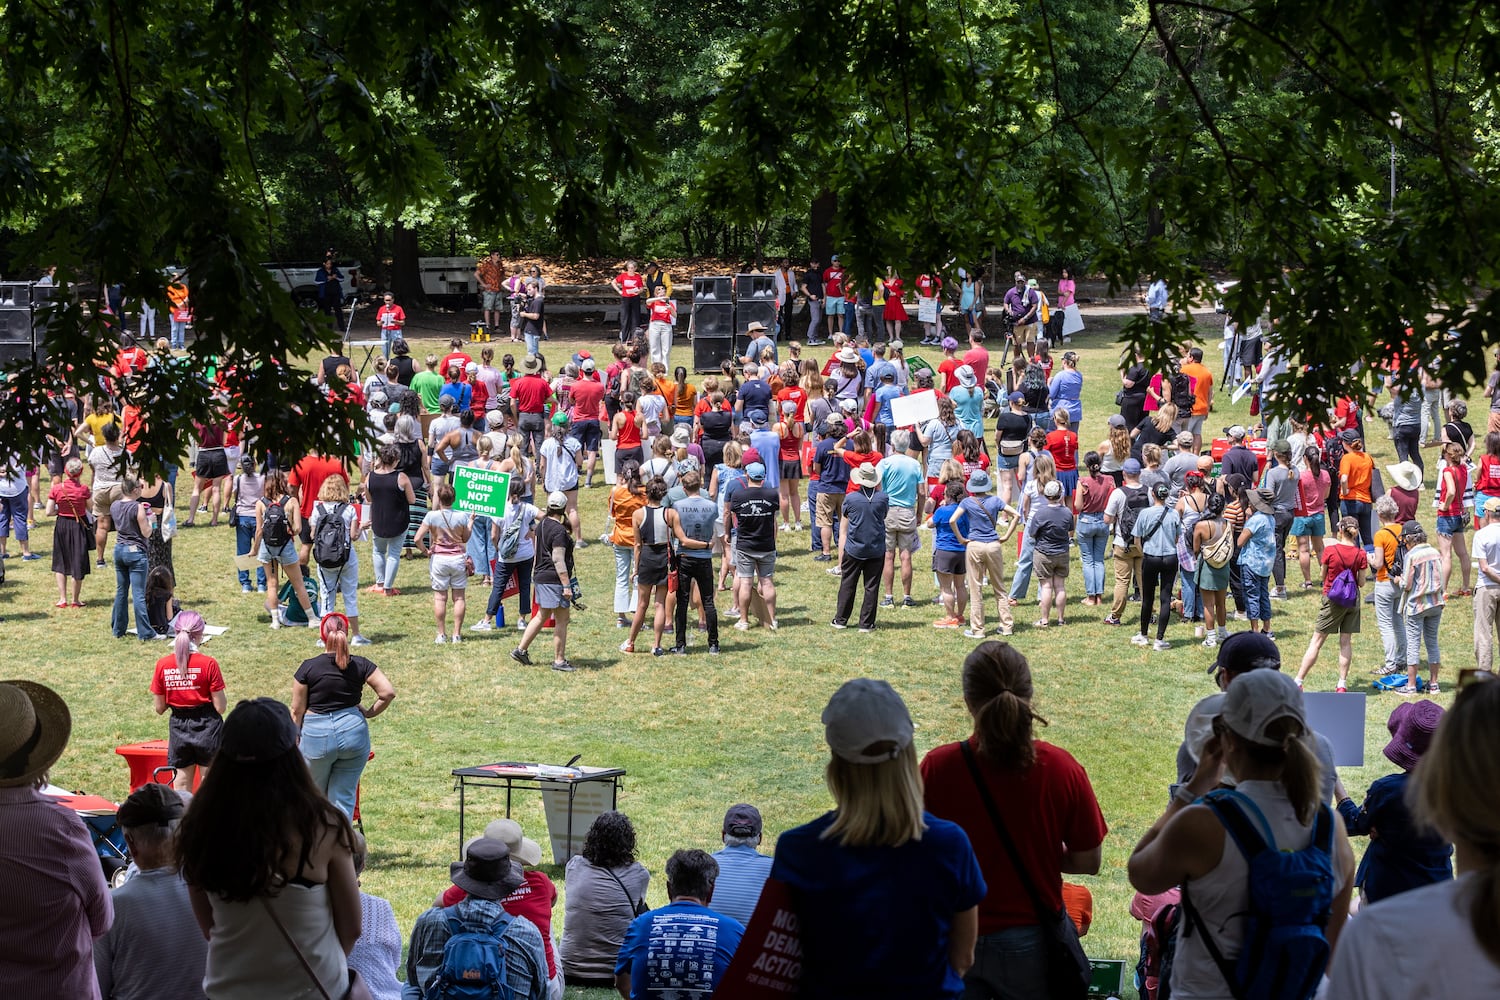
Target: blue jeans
x=1008 y=965
x=1093 y=543
x=179 y=335
x=1192 y=607
x=1021 y=582
x=1257 y=594
x=130 y=588
x=244 y=534
x=1360 y=511
x=533 y=343
x=337 y=746
x=479 y=547
x=386 y=555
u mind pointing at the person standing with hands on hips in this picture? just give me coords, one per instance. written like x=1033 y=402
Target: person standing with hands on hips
x=556 y=593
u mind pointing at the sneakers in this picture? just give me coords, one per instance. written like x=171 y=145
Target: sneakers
x=1222 y=632
x=561 y=666
x=1409 y=689
x=276 y=618
x=679 y=650
x=1140 y=640
x=822 y=557
x=441 y=640
x=887 y=602
x=713 y=649
x=1388 y=669
x=1112 y=620
x=1161 y=644
x=658 y=651
x=456 y=639
x=1278 y=594
x=866 y=631
x=627 y=646
x=1432 y=687
x=360 y=640
x=521 y=656
x=1341 y=689
x=1210 y=642
x=907 y=602
x=838 y=624
x=972 y=633
x=483 y=625
x=743 y=626
x=772 y=625
x=245 y=588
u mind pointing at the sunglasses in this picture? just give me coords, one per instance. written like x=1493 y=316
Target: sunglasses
x=1470 y=676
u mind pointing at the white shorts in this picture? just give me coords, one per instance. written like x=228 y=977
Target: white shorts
x=449 y=572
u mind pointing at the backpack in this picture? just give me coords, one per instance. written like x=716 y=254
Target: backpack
x=276 y=530
x=512 y=531
x=1397 y=565
x=1285 y=948
x=1153 y=970
x=473 y=962
x=1034 y=387
x=330 y=548
x=1182 y=394
x=1343 y=592
x=1136 y=500
x=1218 y=552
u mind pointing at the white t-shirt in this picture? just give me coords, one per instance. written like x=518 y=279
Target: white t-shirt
x=1487 y=547
x=104 y=460
x=1375 y=959
x=562 y=464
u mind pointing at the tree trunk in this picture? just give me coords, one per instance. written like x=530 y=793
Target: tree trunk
x=820 y=226
x=687 y=239
x=406 y=274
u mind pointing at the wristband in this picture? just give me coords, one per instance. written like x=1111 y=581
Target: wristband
x=1184 y=795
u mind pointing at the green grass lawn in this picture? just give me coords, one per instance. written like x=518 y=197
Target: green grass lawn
x=695 y=733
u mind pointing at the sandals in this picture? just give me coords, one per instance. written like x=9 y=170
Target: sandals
x=1040 y=623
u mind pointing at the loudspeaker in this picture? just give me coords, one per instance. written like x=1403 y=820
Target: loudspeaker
x=754 y=286
x=16 y=293
x=713 y=288
x=21 y=332
x=713 y=332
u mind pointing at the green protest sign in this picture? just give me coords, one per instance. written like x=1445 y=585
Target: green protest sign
x=480 y=491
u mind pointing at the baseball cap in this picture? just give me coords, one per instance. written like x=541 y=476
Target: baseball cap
x=1131 y=467
x=1281 y=447
x=1257 y=700
x=1236 y=431
x=755 y=471
x=1053 y=490
x=848 y=404
x=258 y=730
x=1349 y=436
x=1185 y=439
x=472 y=368
x=748 y=457
x=1016 y=397
x=1412 y=529
x=866 y=722
x=560 y=419
x=757 y=417
x=587 y=364
x=1246 y=651
x=1492 y=505
x=743 y=820
x=966 y=377
x=152 y=804
x=557 y=500
x=835 y=428
x=1116 y=420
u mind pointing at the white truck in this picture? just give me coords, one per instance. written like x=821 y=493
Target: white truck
x=300 y=279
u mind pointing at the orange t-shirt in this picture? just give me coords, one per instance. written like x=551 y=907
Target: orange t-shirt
x=1386 y=540
x=1203 y=384
x=1356 y=468
x=623 y=505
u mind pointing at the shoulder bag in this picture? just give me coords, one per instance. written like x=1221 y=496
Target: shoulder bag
x=357 y=990
x=637 y=906
x=1068 y=969
x=234 y=505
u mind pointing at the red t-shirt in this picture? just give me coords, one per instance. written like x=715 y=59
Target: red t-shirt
x=189 y=688
x=530 y=393
x=833 y=281
x=978 y=359
x=1452 y=501
x=71 y=497
x=1337 y=558
x=631 y=285
x=948 y=368
x=533 y=899
x=928 y=286
x=796 y=394
x=587 y=396
x=309 y=475
x=1488 y=478
x=131 y=425
x=663 y=311
x=479 y=399
x=1049 y=807
x=1063 y=444
x=855 y=459
x=459 y=356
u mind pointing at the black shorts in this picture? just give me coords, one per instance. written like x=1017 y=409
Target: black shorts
x=193 y=736
x=305 y=535
x=654 y=567
x=951 y=563
x=212 y=464
x=791 y=470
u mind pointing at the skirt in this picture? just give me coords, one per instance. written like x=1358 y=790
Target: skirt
x=418 y=512
x=1209 y=578
x=72 y=548
x=894 y=310
x=159 y=551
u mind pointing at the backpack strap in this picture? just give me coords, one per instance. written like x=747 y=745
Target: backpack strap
x=1240 y=816
x=1194 y=919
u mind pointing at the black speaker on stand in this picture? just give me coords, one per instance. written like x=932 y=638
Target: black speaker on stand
x=754 y=302
x=21 y=333
x=713 y=322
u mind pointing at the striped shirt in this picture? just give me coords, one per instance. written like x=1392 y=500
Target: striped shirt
x=742 y=874
x=155 y=950
x=55 y=902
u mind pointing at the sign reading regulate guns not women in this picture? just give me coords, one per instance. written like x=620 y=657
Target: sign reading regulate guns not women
x=480 y=491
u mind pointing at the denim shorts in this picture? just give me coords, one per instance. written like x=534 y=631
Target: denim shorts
x=286 y=554
x=1310 y=525
x=1449 y=525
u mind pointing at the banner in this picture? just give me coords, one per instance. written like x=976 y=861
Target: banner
x=1072 y=320
x=480 y=491
x=607 y=456
x=1341 y=719
x=768 y=962
x=914 y=410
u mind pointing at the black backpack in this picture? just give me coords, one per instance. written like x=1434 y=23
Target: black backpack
x=275 y=528
x=1034 y=387
x=1136 y=500
x=331 y=542
x=1182 y=393
x=1397 y=564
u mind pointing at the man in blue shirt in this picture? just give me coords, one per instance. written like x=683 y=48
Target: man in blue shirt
x=684 y=948
x=760 y=340
x=865 y=513
x=754 y=394
x=876 y=367
x=832 y=483
x=742 y=869
x=902 y=478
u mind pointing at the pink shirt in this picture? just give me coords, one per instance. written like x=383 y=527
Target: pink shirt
x=55 y=901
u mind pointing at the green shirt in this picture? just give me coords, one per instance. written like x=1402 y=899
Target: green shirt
x=429 y=386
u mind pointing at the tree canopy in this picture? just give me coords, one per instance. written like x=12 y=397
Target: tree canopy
x=1129 y=137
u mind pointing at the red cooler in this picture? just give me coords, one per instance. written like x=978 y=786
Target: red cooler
x=1256 y=445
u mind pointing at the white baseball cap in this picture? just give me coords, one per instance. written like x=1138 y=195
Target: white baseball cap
x=557 y=500
x=1259 y=698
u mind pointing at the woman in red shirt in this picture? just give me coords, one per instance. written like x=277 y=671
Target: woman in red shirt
x=630 y=285
x=72 y=539
x=189 y=684
x=1345 y=552
x=1063 y=445
x=625 y=432
x=789 y=431
x=895 y=312
x=1453 y=483
x=861 y=449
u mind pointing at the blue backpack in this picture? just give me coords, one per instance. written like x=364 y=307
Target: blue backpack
x=473 y=962
x=1285 y=950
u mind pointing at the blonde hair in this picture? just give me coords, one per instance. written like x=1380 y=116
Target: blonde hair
x=1444 y=794
x=1044 y=469
x=1119 y=443
x=879 y=805
x=1151 y=455
x=334 y=488
x=1166 y=416
x=951 y=471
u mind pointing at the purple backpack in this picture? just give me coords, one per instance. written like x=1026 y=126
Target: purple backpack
x=1343 y=592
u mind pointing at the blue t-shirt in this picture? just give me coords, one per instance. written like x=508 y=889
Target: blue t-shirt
x=460 y=391
x=943 y=538
x=876 y=920
x=980 y=514
x=883 y=396
x=769 y=446
x=680 y=950
x=968 y=406
x=833 y=471
x=1064 y=389
x=900 y=478
x=873 y=373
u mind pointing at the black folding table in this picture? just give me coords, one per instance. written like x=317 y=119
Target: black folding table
x=511 y=775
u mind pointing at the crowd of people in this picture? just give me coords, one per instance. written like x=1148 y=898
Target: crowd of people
x=777 y=444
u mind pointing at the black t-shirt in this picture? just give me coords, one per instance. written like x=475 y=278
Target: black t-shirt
x=755 y=509
x=551 y=534
x=813 y=279
x=1050 y=527
x=330 y=689
x=1459 y=432
x=1141 y=376
x=405 y=369
x=331 y=365
x=1148 y=434
x=716 y=424
x=1012 y=426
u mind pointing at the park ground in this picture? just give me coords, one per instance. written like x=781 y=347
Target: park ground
x=695 y=733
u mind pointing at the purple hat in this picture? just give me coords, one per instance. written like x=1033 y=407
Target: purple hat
x=1413 y=724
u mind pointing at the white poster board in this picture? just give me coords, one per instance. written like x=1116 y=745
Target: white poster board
x=1340 y=718
x=589 y=800
x=914 y=410
x=1244 y=387
x=1072 y=320
x=608 y=448
x=927 y=310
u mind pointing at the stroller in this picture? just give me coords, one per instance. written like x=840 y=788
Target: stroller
x=99 y=815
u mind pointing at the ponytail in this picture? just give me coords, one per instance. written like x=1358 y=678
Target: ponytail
x=997 y=689
x=1301 y=771
x=189 y=625
x=335 y=635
